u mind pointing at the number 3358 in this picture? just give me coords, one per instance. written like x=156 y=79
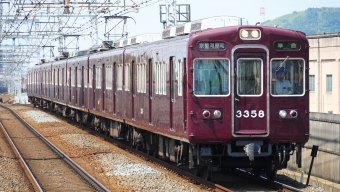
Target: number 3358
x=252 y=113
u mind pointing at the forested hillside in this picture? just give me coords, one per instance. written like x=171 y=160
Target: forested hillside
x=311 y=21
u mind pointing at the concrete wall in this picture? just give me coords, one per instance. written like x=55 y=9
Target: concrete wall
x=325 y=133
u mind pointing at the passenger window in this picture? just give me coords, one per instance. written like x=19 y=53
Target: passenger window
x=249 y=77
x=211 y=77
x=287 y=77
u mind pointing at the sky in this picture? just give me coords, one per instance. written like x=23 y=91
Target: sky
x=147 y=20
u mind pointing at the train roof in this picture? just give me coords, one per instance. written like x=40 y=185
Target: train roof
x=183 y=29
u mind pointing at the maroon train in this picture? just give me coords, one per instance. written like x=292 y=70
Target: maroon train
x=227 y=97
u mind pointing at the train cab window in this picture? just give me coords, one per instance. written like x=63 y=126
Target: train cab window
x=287 y=77
x=249 y=77
x=211 y=77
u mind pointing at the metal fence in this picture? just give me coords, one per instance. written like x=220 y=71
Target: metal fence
x=325 y=133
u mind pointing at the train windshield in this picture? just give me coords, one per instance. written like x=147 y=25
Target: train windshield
x=287 y=77
x=211 y=77
x=249 y=77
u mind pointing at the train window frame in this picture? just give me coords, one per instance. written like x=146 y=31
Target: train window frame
x=228 y=79
x=303 y=78
x=261 y=78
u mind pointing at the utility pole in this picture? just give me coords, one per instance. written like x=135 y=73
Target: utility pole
x=171 y=13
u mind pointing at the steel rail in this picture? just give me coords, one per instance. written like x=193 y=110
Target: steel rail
x=22 y=162
x=86 y=176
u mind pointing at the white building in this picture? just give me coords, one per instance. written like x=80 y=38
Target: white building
x=324 y=61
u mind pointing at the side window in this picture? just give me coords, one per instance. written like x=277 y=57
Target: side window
x=163 y=75
x=127 y=77
x=211 y=77
x=79 y=77
x=90 y=77
x=287 y=77
x=108 y=73
x=179 y=76
x=157 y=77
x=119 y=77
x=141 y=78
x=73 y=77
x=53 y=78
x=98 y=77
x=139 y=74
x=86 y=77
x=249 y=77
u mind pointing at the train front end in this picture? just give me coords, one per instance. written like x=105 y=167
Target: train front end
x=248 y=99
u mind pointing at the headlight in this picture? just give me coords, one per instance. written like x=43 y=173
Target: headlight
x=250 y=34
x=244 y=33
x=255 y=34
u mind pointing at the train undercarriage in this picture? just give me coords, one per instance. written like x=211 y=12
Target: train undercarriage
x=262 y=157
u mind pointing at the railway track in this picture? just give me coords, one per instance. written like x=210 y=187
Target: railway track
x=44 y=164
x=235 y=180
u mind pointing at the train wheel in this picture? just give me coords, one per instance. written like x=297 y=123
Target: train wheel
x=207 y=173
x=271 y=173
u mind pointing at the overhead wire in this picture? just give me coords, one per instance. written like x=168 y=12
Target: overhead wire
x=82 y=28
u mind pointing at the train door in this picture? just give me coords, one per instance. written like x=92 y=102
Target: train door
x=172 y=79
x=70 y=85
x=133 y=95
x=62 y=84
x=82 y=87
x=93 y=86
x=76 y=86
x=251 y=92
x=184 y=89
x=114 y=86
x=58 y=84
x=150 y=90
x=103 y=75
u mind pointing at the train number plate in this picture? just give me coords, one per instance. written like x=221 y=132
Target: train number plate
x=250 y=114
